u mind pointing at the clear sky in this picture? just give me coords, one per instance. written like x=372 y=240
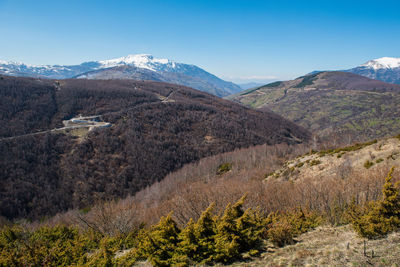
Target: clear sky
x=236 y=40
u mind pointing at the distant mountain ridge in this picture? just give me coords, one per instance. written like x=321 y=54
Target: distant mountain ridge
x=332 y=102
x=385 y=69
x=137 y=67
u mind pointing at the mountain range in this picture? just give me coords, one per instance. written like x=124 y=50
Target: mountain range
x=146 y=67
x=137 y=67
x=332 y=102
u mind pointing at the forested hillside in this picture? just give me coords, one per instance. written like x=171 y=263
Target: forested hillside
x=156 y=128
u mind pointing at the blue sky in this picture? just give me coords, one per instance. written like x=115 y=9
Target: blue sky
x=236 y=40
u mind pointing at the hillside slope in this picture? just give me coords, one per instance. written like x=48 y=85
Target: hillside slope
x=156 y=128
x=328 y=102
x=342 y=162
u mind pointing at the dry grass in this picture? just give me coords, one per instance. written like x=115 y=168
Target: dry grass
x=332 y=246
x=380 y=155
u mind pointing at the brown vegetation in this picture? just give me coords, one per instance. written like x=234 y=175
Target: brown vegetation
x=284 y=208
x=190 y=190
x=47 y=173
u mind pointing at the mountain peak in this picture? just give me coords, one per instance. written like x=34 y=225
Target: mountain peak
x=145 y=61
x=383 y=63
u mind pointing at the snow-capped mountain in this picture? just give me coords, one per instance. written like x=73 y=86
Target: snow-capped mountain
x=143 y=61
x=385 y=69
x=383 y=63
x=140 y=66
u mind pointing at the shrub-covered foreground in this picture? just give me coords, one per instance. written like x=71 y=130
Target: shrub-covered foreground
x=213 y=238
x=208 y=240
x=58 y=246
x=378 y=218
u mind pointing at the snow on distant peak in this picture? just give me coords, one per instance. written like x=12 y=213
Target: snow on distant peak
x=3 y=62
x=144 y=61
x=383 y=63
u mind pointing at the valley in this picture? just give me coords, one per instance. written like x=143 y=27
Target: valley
x=151 y=129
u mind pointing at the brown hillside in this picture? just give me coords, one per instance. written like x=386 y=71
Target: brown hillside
x=156 y=128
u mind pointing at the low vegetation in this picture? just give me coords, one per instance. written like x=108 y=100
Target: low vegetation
x=314 y=162
x=342 y=150
x=378 y=218
x=212 y=238
x=283 y=227
x=368 y=164
x=224 y=168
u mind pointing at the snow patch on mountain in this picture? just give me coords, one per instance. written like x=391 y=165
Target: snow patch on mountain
x=383 y=63
x=143 y=61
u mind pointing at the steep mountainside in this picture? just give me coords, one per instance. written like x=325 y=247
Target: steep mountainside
x=142 y=67
x=156 y=128
x=328 y=102
x=385 y=69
